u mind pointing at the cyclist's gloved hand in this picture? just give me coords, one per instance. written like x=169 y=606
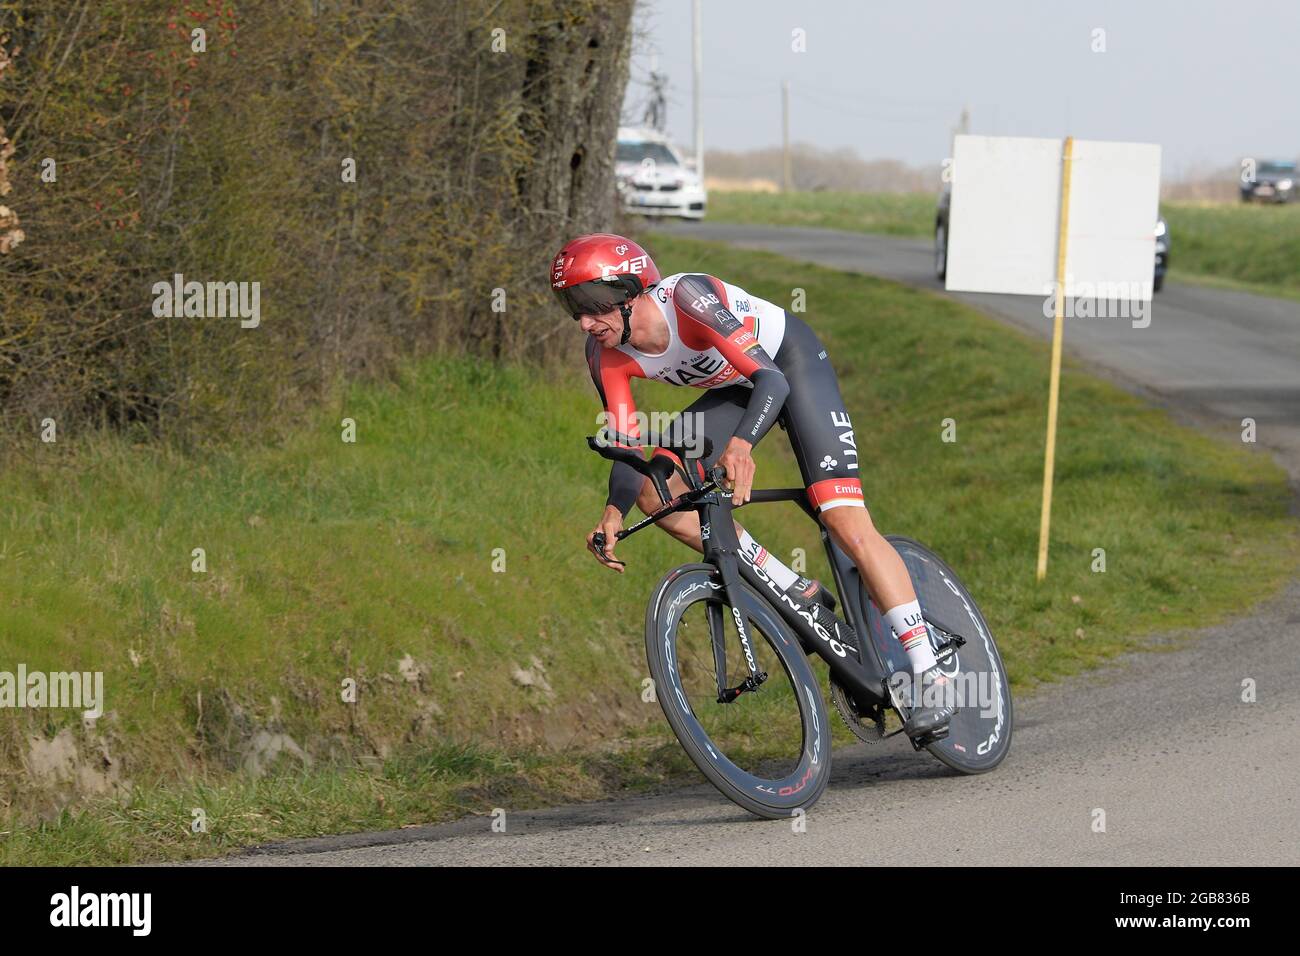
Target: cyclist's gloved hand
x=739 y=466
x=611 y=523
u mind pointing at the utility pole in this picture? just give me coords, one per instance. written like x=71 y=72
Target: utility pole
x=698 y=32
x=961 y=129
x=656 y=110
x=787 y=180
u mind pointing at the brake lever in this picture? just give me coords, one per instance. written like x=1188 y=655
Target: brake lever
x=599 y=539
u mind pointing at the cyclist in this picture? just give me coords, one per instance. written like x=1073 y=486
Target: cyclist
x=757 y=363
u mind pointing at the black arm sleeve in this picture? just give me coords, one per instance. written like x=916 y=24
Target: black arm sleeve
x=771 y=389
x=624 y=485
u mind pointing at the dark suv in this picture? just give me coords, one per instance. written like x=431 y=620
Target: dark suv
x=1274 y=181
x=941 y=243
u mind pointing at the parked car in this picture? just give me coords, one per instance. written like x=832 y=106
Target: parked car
x=941 y=234
x=941 y=243
x=653 y=179
x=1275 y=181
x=1162 y=254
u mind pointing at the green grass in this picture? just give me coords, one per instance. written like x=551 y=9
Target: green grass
x=328 y=560
x=1252 y=248
x=1255 y=248
x=436 y=783
x=890 y=214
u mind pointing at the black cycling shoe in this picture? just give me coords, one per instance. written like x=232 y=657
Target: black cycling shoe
x=808 y=590
x=930 y=718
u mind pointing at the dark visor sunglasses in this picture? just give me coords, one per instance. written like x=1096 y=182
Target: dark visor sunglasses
x=598 y=296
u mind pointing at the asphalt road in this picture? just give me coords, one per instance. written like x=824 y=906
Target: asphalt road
x=1184 y=771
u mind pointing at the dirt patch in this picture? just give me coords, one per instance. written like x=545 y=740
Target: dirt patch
x=66 y=769
x=266 y=748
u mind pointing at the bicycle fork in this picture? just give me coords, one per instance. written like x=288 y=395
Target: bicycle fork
x=724 y=557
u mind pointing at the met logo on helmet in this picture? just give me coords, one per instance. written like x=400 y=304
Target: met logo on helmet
x=595 y=273
x=635 y=266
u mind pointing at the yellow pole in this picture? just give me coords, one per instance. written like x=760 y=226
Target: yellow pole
x=1058 y=331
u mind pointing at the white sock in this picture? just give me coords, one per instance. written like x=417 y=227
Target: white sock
x=909 y=627
x=762 y=558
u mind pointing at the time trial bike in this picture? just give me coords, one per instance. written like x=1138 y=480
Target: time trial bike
x=728 y=650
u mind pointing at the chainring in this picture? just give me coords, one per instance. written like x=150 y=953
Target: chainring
x=871 y=731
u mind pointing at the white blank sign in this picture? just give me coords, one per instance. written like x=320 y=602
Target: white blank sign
x=1003 y=222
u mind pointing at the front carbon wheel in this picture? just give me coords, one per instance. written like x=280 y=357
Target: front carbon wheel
x=769 y=750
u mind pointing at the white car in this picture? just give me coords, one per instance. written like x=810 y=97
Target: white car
x=653 y=179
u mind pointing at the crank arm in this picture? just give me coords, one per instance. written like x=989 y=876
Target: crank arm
x=953 y=637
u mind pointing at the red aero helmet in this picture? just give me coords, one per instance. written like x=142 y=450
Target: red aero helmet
x=596 y=273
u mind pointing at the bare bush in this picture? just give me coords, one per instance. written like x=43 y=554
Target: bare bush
x=1221 y=184
x=482 y=134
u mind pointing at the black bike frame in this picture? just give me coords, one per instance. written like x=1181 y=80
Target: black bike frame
x=860 y=671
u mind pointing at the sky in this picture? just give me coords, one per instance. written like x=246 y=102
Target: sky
x=1211 y=81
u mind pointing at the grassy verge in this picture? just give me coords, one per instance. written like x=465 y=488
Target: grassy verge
x=436 y=783
x=1234 y=285
x=1253 y=248
x=890 y=214
x=482 y=683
